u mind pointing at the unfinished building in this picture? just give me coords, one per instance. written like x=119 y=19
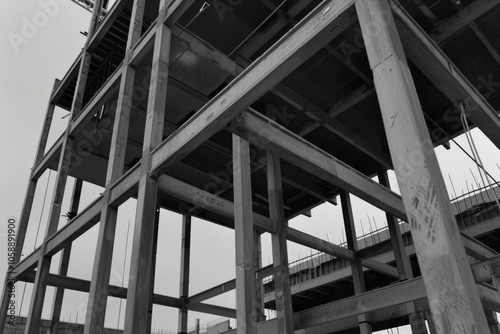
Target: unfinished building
x=298 y=103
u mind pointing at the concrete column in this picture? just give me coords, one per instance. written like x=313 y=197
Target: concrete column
x=40 y=284
x=141 y=261
x=451 y=290
x=64 y=261
x=284 y=312
x=491 y=317
x=244 y=240
x=430 y=322
x=153 y=271
x=357 y=271
x=259 y=287
x=417 y=321
x=402 y=259
x=98 y=294
x=185 y=261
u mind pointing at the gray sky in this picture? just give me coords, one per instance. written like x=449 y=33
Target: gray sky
x=35 y=49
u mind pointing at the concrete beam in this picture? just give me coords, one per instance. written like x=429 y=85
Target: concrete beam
x=43 y=266
x=212 y=292
x=142 y=252
x=301 y=42
x=281 y=275
x=332 y=125
x=427 y=56
x=244 y=238
x=296 y=150
x=455 y=23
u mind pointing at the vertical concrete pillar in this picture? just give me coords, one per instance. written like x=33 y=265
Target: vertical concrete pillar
x=244 y=239
x=357 y=271
x=452 y=293
x=98 y=293
x=185 y=261
x=64 y=261
x=417 y=321
x=40 y=284
x=153 y=271
x=491 y=317
x=402 y=260
x=259 y=287
x=283 y=299
x=141 y=261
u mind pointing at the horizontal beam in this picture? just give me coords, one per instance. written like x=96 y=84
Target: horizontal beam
x=392 y=295
x=103 y=94
x=212 y=292
x=396 y=294
x=432 y=61
x=213 y=309
x=211 y=202
x=381 y=267
x=125 y=187
x=143 y=46
x=81 y=285
x=205 y=200
x=302 y=41
x=109 y=21
x=66 y=80
x=452 y=25
x=319 y=244
x=27 y=264
x=262 y=131
x=50 y=157
x=485 y=271
x=84 y=221
x=175 y=9
x=332 y=125
x=476 y=249
x=227 y=286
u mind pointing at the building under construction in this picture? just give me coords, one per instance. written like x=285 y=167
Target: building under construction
x=250 y=113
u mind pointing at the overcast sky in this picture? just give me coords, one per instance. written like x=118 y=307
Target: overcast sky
x=38 y=44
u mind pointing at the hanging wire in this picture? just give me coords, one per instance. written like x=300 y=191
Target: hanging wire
x=202 y=9
x=36 y=238
x=475 y=152
x=123 y=274
x=43 y=207
x=258 y=27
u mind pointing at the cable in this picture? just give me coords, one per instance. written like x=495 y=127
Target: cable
x=43 y=207
x=475 y=152
x=22 y=299
x=258 y=27
x=459 y=146
x=36 y=238
x=123 y=274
